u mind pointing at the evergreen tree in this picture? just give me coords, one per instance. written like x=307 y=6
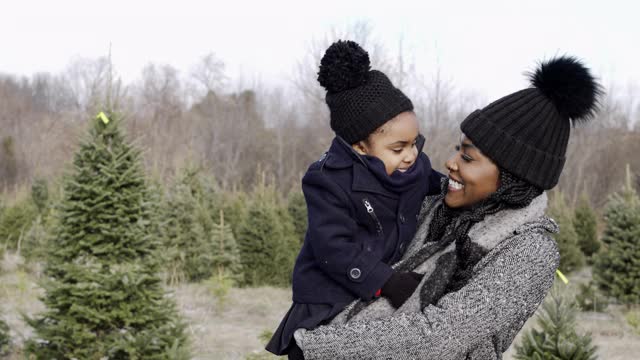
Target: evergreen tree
x=2 y=241
x=5 y=338
x=189 y=254
x=235 y=206
x=226 y=256
x=298 y=210
x=103 y=296
x=34 y=244
x=16 y=221
x=203 y=189
x=40 y=195
x=617 y=267
x=9 y=164
x=35 y=240
x=571 y=258
x=586 y=224
x=556 y=338
x=589 y=298
x=267 y=240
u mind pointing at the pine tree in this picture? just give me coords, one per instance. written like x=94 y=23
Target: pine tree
x=556 y=338
x=35 y=240
x=586 y=224
x=16 y=221
x=40 y=195
x=103 y=296
x=204 y=191
x=158 y=226
x=267 y=240
x=2 y=246
x=5 y=338
x=226 y=256
x=191 y=214
x=235 y=206
x=298 y=210
x=189 y=254
x=571 y=258
x=617 y=267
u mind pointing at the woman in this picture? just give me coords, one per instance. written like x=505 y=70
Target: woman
x=483 y=244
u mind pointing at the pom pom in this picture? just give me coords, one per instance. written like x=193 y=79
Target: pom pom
x=345 y=65
x=569 y=85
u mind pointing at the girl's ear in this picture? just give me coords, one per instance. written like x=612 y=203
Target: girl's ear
x=360 y=148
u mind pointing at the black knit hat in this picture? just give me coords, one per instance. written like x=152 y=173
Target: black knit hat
x=527 y=132
x=360 y=99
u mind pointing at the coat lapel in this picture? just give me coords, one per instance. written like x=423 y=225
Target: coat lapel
x=364 y=180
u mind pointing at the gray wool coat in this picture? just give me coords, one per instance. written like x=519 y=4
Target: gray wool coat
x=479 y=321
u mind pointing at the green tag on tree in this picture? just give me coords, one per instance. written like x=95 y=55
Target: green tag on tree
x=103 y=117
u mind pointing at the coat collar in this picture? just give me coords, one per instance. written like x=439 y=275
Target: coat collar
x=494 y=228
x=341 y=156
x=364 y=180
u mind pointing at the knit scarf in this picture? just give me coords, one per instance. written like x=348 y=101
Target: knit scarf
x=449 y=225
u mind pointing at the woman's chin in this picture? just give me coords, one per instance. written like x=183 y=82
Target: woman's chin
x=450 y=200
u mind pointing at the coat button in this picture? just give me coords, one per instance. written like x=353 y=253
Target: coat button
x=402 y=219
x=355 y=273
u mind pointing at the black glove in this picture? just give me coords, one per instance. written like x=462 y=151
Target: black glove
x=400 y=286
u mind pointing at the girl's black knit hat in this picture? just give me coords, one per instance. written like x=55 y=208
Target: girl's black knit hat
x=527 y=132
x=360 y=99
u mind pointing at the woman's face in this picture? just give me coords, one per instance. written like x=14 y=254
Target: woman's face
x=472 y=176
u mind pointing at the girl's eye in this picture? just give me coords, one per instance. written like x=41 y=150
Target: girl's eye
x=397 y=151
x=457 y=147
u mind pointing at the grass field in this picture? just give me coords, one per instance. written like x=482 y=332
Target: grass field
x=236 y=328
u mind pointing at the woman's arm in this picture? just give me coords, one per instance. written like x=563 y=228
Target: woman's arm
x=503 y=295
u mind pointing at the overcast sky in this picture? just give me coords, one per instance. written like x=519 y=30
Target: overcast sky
x=481 y=46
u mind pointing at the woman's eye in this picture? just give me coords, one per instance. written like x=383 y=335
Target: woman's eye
x=397 y=151
x=457 y=147
x=466 y=157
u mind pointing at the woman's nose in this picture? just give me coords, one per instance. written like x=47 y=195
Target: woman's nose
x=451 y=165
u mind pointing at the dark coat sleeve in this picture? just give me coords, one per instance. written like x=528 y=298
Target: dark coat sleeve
x=336 y=241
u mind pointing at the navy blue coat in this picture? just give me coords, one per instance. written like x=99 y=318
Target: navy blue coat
x=357 y=227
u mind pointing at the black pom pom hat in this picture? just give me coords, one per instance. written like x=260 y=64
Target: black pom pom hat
x=527 y=132
x=360 y=99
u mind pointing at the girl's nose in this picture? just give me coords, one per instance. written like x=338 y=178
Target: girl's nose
x=411 y=157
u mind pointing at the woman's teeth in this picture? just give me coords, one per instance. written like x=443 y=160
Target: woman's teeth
x=455 y=185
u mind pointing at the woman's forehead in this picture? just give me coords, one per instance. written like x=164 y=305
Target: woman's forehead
x=465 y=139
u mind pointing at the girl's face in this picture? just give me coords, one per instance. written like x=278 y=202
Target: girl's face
x=394 y=143
x=472 y=176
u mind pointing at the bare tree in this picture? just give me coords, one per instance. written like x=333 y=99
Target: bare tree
x=209 y=74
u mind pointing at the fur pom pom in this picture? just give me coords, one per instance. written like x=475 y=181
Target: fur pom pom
x=569 y=85
x=345 y=65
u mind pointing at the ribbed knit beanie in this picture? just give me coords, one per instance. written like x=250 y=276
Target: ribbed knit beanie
x=360 y=99
x=527 y=132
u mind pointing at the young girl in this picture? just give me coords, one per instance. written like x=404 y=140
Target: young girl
x=363 y=197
